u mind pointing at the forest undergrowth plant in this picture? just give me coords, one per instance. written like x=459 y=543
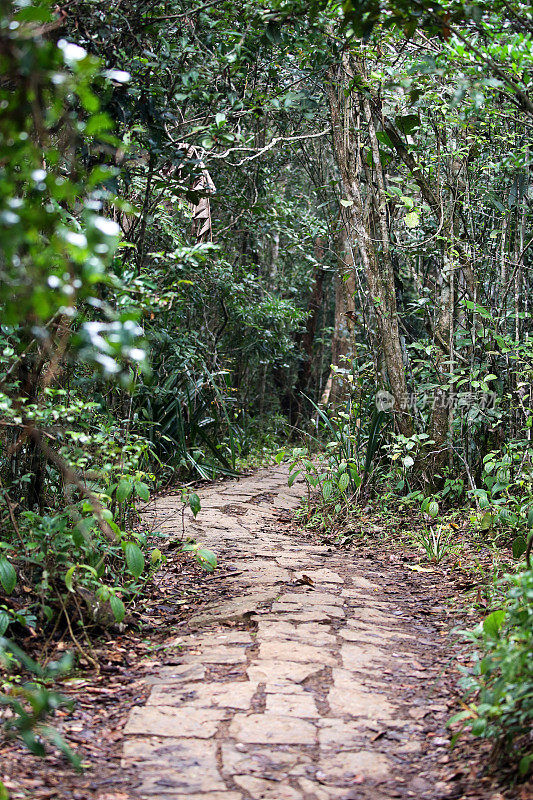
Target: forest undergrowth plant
x=31 y=703
x=436 y=541
x=499 y=685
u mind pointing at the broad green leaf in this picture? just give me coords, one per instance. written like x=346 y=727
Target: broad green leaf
x=134 y=559
x=194 y=504
x=493 y=623
x=206 y=558
x=124 y=490
x=408 y=123
x=327 y=488
x=293 y=476
x=8 y=576
x=142 y=490
x=433 y=508
x=519 y=546
x=156 y=556
x=4 y=621
x=478 y=726
x=117 y=607
x=412 y=220
x=344 y=480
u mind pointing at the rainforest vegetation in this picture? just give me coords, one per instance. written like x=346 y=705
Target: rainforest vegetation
x=237 y=231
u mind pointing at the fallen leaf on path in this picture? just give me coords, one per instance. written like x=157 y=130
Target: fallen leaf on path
x=418 y=568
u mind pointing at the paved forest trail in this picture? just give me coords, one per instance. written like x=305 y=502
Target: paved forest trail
x=306 y=685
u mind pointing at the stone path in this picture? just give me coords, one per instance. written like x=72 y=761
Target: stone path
x=296 y=688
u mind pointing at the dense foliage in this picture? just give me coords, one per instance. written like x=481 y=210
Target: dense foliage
x=226 y=227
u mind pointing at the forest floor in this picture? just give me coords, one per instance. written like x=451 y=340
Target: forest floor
x=296 y=671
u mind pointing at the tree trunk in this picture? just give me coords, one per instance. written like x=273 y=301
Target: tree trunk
x=378 y=271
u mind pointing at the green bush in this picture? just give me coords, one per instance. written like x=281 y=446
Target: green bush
x=499 y=687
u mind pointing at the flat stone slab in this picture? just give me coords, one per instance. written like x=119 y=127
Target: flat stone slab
x=295 y=613
x=322 y=575
x=340 y=734
x=217 y=655
x=317 y=791
x=360 y=657
x=311 y=599
x=177 y=674
x=269 y=790
x=342 y=768
x=294 y=705
x=200 y=723
x=254 y=759
x=312 y=633
x=208 y=695
x=271 y=671
x=174 y=765
x=346 y=698
x=233 y=609
x=289 y=651
x=203 y=796
x=272 y=729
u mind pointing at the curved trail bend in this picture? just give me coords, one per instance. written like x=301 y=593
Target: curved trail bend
x=307 y=684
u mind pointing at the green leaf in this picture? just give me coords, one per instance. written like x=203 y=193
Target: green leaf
x=8 y=576
x=523 y=765
x=478 y=726
x=493 y=623
x=327 y=488
x=459 y=717
x=408 y=461
x=530 y=517
x=412 y=220
x=292 y=477
x=344 y=480
x=486 y=521
x=5 y=619
x=69 y=577
x=134 y=559
x=142 y=490
x=206 y=558
x=124 y=490
x=408 y=123
x=519 y=546
x=194 y=504
x=117 y=607
x=4 y=794
x=433 y=509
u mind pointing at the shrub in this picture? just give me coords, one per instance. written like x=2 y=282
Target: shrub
x=499 y=687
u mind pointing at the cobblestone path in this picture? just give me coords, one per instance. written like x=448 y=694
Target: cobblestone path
x=300 y=687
